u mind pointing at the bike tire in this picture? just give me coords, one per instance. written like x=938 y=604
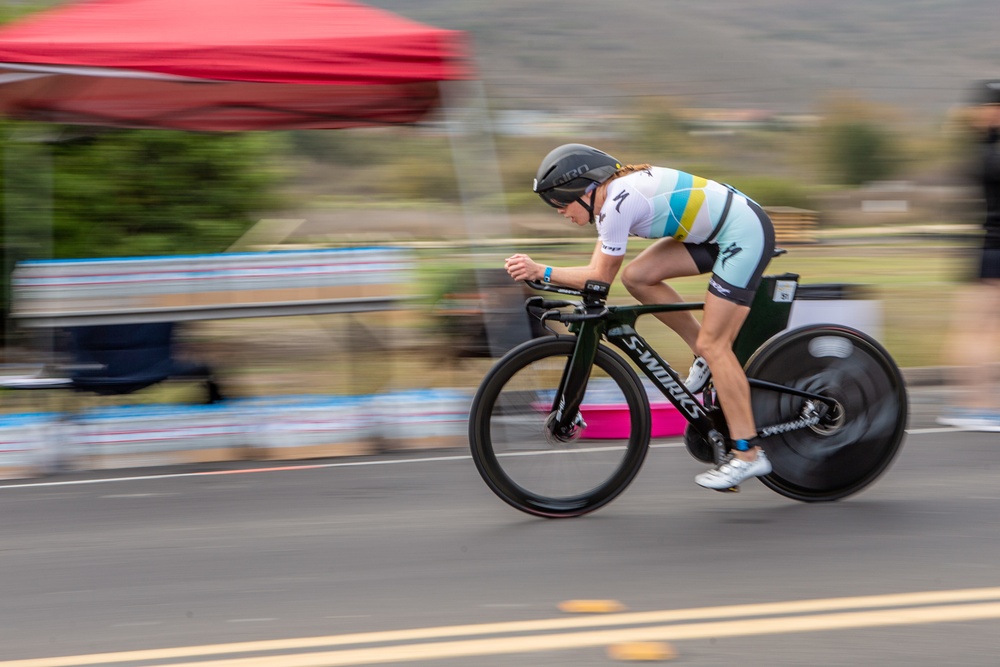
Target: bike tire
x=851 y=448
x=526 y=467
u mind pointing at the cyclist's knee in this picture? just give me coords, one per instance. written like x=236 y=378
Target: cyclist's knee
x=711 y=347
x=635 y=280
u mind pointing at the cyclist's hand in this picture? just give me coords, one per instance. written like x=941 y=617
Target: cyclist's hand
x=522 y=267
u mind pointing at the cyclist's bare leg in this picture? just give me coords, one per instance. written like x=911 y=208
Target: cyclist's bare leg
x=720 y=324
x=643 y=278
x=712 y=338
x=972 y=348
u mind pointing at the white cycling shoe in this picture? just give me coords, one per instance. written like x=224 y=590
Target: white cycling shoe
x=734 y=471
x=698 y=376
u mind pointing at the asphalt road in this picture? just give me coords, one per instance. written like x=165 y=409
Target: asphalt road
x=298 y=566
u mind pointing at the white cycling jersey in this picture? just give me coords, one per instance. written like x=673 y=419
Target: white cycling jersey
x=659 y=202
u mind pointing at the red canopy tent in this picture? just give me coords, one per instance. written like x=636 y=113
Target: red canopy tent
x=238 y=65
x=225 y=65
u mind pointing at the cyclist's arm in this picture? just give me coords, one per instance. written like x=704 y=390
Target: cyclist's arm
x=603 y=267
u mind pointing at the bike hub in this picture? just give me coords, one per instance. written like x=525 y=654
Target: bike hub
x=832 y=418
x=555 y=435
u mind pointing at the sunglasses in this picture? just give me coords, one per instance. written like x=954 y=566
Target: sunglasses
x=562 y=196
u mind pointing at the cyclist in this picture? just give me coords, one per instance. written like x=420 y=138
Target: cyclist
x=701 y=226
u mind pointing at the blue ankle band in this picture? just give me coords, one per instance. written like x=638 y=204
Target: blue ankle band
x=742 y=446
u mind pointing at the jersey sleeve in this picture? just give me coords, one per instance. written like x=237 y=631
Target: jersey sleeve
x=622 y=207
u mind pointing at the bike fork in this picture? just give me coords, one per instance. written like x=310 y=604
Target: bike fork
x=566 y=420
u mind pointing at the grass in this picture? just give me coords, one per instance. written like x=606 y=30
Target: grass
x=914 y=283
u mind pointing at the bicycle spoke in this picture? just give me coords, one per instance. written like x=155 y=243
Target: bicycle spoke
x=568 y=469
x=537 y=472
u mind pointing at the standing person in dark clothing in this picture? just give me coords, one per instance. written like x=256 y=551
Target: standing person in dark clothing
x=975 y=343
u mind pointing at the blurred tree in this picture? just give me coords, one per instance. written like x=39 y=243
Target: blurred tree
x=141 y=192
x=660 y=133
x=10 y=11
x=77 y=192
x=72 y=193
x=857 y=153
x=768 y=191
x=857 y=143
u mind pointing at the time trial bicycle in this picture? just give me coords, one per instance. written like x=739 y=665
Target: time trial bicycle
x=829 y=401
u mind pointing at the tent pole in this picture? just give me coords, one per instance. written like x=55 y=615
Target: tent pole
x=477 y=170
x=28 y=225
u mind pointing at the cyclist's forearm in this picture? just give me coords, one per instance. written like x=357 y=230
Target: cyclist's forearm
x=602 y=267
x=576 y=276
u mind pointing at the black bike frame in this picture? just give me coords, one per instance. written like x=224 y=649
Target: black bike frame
x=617 y=325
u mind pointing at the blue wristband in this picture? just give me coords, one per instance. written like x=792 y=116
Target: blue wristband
x=547 y=278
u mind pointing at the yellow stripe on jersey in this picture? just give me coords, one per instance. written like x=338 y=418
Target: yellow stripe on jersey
x=696 y=199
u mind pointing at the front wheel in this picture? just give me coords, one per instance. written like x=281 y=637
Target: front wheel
x=853 y=443
x=538 y=473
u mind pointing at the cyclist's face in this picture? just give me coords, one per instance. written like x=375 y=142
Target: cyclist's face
x=576 y=213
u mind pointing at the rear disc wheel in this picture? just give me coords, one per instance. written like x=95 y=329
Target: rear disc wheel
x=856 y=440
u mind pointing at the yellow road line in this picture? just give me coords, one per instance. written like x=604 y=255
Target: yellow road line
x=591 y=606
x=745 y=612
x=537 y=643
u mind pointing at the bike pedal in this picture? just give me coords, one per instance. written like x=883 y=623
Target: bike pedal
x=732 y=489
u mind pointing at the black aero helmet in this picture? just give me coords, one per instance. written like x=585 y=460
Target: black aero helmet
x=567 y=172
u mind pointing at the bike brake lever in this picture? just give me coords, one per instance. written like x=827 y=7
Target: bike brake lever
x=549 y=306
x=534 y=302
x=551 y=315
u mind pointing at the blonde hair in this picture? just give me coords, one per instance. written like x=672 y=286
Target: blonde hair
x=628 y=169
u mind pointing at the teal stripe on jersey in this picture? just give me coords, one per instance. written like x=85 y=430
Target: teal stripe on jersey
x=678 y=202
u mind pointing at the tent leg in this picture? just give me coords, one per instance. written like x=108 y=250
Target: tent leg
x=480 y=185
x=27 y=225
